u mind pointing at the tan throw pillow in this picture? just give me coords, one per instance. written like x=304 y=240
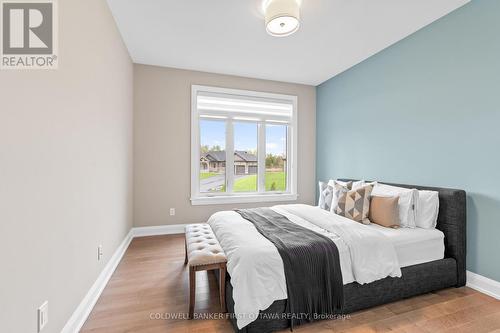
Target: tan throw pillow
x=355 y=204
x=384 y=211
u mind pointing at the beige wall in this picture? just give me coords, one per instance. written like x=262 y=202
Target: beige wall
x=65 y=169
x=162 y=141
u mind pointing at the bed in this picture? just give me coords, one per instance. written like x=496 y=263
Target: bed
x=429 y=260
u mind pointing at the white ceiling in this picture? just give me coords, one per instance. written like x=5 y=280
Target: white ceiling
x=229 y=37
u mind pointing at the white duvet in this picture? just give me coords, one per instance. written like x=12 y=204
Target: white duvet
x=256 y=268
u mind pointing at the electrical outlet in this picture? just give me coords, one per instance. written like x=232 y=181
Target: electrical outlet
x=172 y=211
x=43 y=315
x=99 y=252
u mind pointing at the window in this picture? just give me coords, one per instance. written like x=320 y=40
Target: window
x=243 y=146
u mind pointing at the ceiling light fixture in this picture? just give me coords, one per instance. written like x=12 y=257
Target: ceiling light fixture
x=282 y=17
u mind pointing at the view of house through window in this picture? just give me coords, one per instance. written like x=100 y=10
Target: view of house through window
x=212 y=156
x=245 y=156
x=244 y=143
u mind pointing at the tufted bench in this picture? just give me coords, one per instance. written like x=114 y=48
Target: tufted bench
x=203 y=253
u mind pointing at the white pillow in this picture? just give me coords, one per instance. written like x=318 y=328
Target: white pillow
x=361 y=183
x=427 y=209
x=406 y=203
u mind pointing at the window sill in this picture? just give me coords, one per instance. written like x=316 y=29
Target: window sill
x=232 y=199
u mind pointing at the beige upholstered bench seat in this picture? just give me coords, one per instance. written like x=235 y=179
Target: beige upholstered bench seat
x=203 y=253
x=202 y=246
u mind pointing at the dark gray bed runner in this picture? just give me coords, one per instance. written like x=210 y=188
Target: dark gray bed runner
x=311 y=264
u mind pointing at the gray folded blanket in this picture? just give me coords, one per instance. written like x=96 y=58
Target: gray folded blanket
x=311 y=263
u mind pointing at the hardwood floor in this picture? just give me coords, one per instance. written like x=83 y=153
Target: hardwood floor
x=151 y=283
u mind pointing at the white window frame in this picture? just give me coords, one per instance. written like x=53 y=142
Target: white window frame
x=261 y=195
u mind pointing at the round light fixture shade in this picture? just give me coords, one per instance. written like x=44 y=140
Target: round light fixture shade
x=282 y=17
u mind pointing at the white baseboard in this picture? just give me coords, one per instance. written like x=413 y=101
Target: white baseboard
x=483 y=284
x=158 y=230
x=83 y=310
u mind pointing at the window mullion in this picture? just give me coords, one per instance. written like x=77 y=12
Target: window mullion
x=229 y=156
x=289 y=158
x=261 y=157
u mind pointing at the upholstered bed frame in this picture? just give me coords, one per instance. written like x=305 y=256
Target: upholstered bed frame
x=415 y=280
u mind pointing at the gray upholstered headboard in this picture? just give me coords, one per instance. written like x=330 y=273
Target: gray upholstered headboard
x=452 y=221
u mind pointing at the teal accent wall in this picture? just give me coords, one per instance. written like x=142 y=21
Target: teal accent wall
x=426 y=111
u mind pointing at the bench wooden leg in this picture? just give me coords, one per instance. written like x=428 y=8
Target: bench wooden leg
x=222 y=287
x=185 y=251
x=192 y=290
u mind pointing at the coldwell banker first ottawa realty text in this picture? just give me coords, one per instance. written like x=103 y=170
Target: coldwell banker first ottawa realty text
x=29 y=34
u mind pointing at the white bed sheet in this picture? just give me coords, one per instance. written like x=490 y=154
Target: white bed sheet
x=414 y=246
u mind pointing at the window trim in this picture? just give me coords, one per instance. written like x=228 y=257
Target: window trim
x=290 y=194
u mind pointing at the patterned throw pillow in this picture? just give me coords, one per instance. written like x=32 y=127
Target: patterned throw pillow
x=339 y=188
x=355 y=204
x=325 y=196
x=328 y=194
x=348 y=184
